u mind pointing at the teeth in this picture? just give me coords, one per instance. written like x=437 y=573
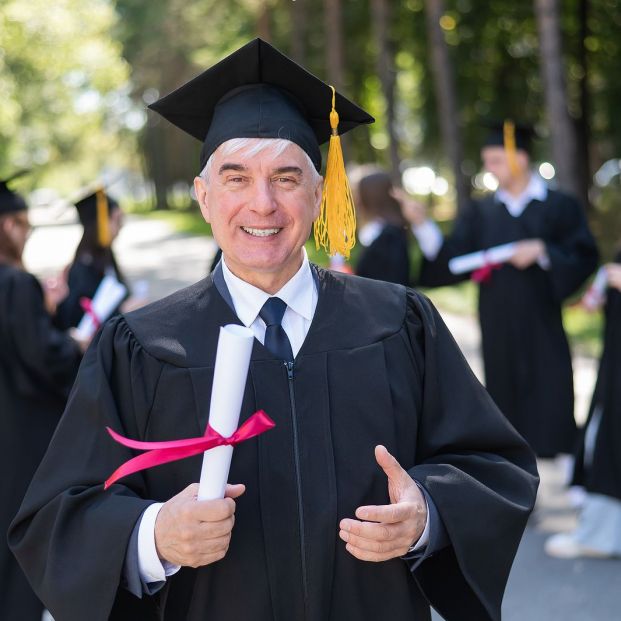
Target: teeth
x=260 y=232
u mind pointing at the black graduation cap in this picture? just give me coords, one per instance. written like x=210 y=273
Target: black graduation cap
x=258 y=92
x=11 y=202
x=505 y=133
x=96 y=207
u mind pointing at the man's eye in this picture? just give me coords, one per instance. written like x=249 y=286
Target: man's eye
x=235 y=179
x=285 y=180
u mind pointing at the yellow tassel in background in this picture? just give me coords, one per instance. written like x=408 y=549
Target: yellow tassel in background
x=508 y=130
x=103 y=223
x=335 y=228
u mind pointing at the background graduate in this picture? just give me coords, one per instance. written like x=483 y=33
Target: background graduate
x=331 y=525
x=102 y=219
x=382 y=232
x=598 y=463
x=38 y=364
x=526 y=355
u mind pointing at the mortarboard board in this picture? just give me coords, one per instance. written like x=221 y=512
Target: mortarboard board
x=258 y=92
x=11 y=202
x=96 y=207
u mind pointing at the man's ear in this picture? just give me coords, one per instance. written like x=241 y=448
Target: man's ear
x=317 y=198
x=200 y=189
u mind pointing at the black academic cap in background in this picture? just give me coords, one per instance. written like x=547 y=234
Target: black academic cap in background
x=258 y=92
x=11 y=202
x=497 y=133
x=87 y=205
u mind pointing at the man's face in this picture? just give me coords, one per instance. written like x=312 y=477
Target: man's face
x=495 y=161
x=18 y=229
x=261 y=209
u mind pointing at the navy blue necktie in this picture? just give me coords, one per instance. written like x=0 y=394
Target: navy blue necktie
x=276 y=340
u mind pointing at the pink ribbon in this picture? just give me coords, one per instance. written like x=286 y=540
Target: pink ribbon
x=163 y=452
x=484 y=274
x=87 y=307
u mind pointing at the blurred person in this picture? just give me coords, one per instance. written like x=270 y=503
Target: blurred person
x=598 y=460
x=102 y=219
x=38 y=364
x=382 y=233
x=526 y=355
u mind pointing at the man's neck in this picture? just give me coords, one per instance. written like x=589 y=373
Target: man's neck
x=517 y=185
x=270 y=282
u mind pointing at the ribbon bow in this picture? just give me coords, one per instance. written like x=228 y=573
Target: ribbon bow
x=163 y=452
x=87 y=307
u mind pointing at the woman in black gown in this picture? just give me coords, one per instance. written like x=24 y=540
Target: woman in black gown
x=383 y=233
x=38 y=364
x=598 y=462
x=102 y=219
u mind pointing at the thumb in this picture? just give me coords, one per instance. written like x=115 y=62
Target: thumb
x=234 y=491
x=389 y=464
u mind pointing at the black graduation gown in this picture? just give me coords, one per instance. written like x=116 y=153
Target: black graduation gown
x=37 y=367
x=525 y=351
x=83 y=280
x=386 y=258
x=603 y=475
x=377 y=366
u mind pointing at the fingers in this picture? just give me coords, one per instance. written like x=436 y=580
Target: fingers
x=390 y=465
x=388 y=514
x=375 y=542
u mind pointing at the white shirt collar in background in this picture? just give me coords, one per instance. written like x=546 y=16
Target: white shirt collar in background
x=535 y=190
x=370 y=231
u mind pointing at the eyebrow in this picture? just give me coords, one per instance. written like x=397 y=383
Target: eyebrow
x=231 y=166
x=289 y=169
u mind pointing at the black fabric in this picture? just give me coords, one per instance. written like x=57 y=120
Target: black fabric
x=377 y=366
x=276 y=339
x=83 y=279
x=10 y=202
x=37 y=367
x=257 y=92
x=387 y=257
x=525 y=351
x=496 y=135
x=87 y=207
x=603 y=475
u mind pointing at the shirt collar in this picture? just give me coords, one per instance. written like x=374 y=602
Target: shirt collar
x=370 y=231
x=248 y=300
x=535 y=190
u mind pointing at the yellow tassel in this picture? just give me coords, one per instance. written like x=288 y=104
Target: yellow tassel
x=335 y=228
x=508 y=130
x=103 y=223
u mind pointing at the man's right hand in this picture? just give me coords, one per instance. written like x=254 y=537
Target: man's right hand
x=193 y=533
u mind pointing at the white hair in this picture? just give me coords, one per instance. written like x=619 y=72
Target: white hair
x=251 y=147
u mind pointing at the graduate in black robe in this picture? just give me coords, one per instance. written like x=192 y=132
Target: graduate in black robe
x=382 y=234
x=37 y=367
x=598 y=462
x=101 y=218
x=526 y=355
x=377 y=364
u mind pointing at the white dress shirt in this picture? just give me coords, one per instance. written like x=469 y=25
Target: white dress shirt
x=429 y=235
x=300 y=294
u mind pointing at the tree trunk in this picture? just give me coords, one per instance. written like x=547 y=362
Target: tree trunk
x=562 y=131
x=583 y=124
x=380 y=17
x=298 y=15
x=264 y=29
x=444 y=86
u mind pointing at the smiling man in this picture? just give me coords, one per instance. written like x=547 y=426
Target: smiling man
x=390 y=480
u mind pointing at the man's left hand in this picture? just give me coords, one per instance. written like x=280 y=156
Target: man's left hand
x=527 y=253
x=382 y=532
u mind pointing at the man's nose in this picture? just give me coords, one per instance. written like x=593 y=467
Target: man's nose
x=264 y=202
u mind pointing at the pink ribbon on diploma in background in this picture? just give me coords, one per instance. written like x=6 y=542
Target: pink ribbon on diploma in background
x=484 y=274
x=87 y=307
x=163 y=452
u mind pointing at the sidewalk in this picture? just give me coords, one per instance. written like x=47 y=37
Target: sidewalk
x=540 y=588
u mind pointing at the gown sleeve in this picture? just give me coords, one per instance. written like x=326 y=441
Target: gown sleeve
x=45 y=359
x=479 y=472
x=572 y=250
x=70 y=536
x=462 y=240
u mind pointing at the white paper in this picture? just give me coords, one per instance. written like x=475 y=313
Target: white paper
x=229 y=381
x=475 y=260
x=108 y=296
x=596 y=293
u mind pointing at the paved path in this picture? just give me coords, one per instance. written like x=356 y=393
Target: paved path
x=540 y=588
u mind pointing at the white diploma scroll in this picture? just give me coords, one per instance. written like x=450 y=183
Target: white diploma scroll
x=229 y=381
x=108 y=296
x=475 y=260
x=596 y=294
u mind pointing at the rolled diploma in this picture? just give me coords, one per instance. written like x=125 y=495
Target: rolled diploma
x=229 y=381
x=596 y=293
x=475 y=260
x=108 y=296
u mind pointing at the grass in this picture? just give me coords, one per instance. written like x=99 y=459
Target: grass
x=584 y=329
